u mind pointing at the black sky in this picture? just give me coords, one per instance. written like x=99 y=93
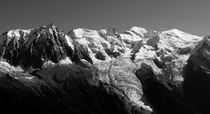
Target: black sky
x=192 y=16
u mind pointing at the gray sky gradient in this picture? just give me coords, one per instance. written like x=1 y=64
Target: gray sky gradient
x=192 y=16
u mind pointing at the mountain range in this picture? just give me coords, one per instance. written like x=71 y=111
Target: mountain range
x=138 y=71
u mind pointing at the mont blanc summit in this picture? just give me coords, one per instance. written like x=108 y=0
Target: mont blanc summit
x=138 y=71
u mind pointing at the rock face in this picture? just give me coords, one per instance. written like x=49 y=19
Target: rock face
x=103 y=71
x=99 y=45
x=34 y=47
x=197 y=80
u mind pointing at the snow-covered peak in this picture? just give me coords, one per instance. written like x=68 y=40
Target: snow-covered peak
x=16 y=32
x=179 y=39
x=80 y=32
x=139 y=30
x=183 y=35
x=173 y=31
x=100 y=45
x=108 y=31
x=170 y=50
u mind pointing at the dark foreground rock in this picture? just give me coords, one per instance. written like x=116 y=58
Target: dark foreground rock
x=196 y=86
x=66 y=89
x=164 y=98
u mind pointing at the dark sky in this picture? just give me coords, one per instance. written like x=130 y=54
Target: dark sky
x=192 y=16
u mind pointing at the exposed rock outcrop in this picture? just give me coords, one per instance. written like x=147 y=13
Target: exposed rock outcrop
x=34 y=47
